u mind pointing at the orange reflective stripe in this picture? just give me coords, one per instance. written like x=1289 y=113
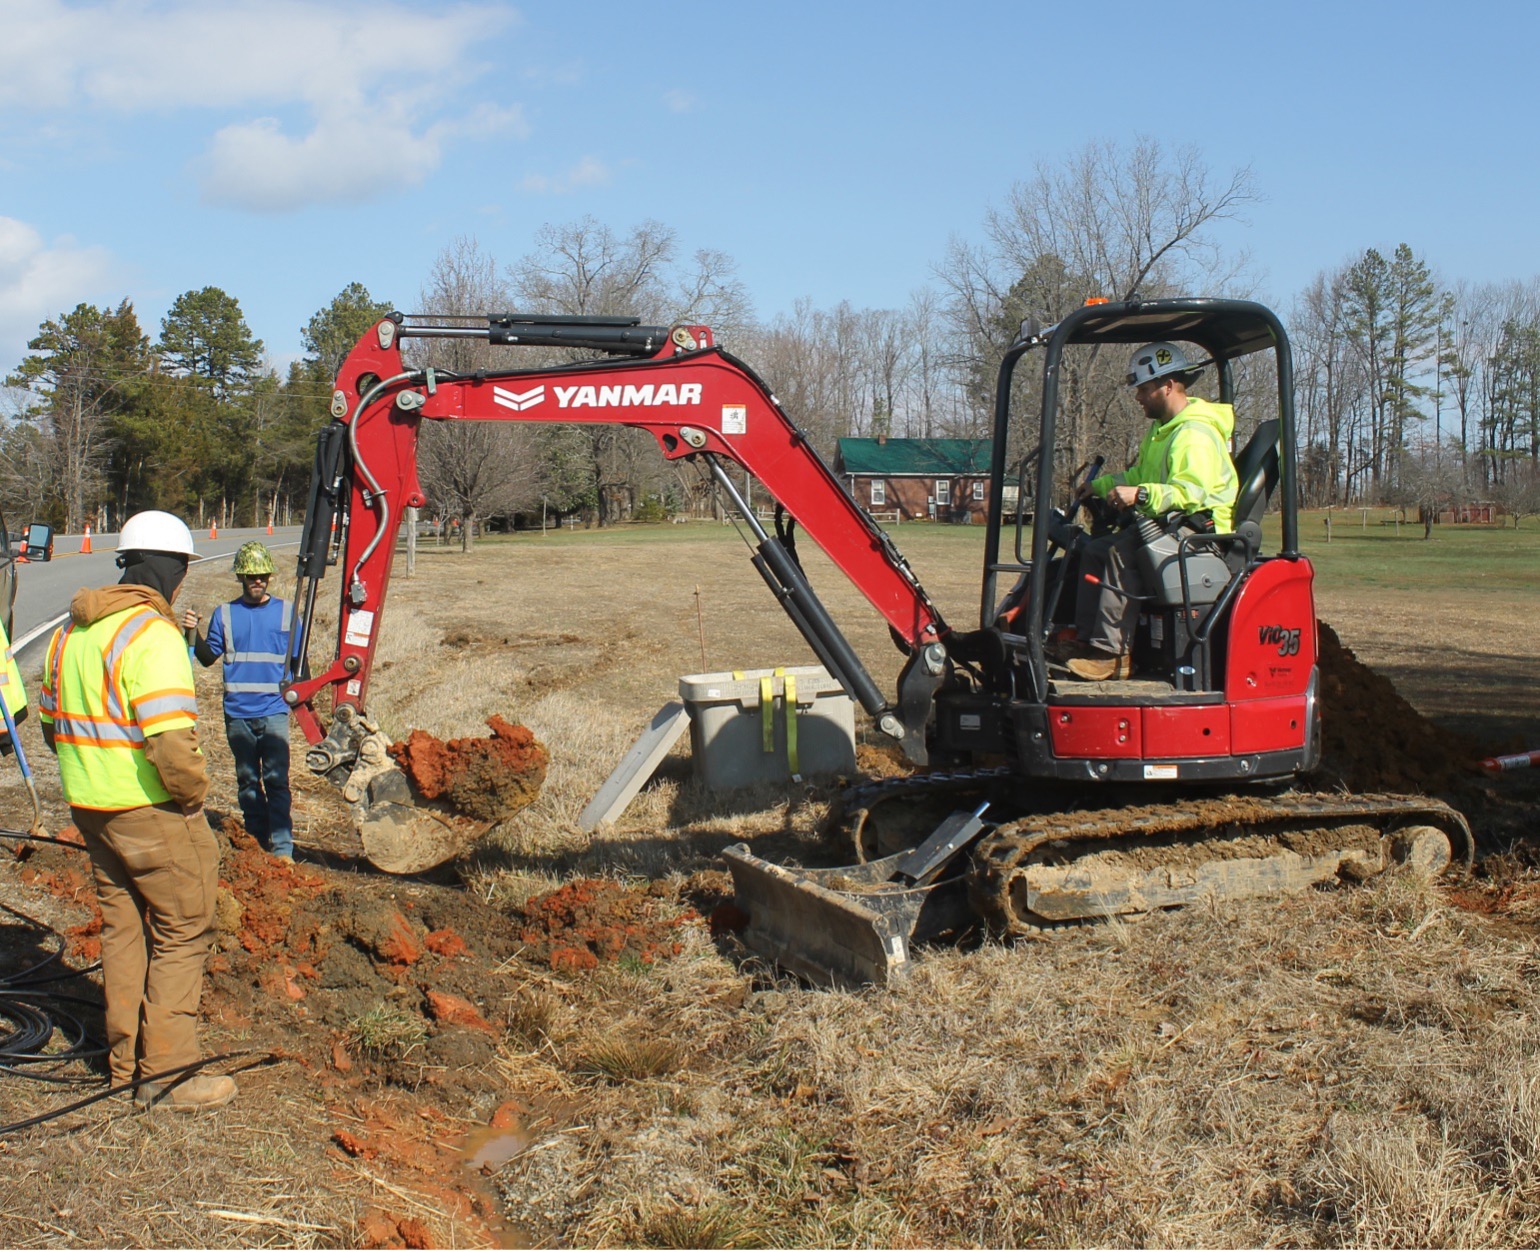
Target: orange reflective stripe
x=116 y=651
x=56 y=653
x=176 y=715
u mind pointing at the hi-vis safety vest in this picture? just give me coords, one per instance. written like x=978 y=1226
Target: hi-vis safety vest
x=106 y=687
x=10 y=680
x=251 y=641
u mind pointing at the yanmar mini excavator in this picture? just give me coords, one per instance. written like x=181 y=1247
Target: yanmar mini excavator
x=1058 y=799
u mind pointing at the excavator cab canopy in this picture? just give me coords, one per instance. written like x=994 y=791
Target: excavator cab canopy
x=1223 y=330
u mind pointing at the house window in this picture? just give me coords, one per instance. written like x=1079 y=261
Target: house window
x=943 y=491
x=879 y=494
x=978 y=489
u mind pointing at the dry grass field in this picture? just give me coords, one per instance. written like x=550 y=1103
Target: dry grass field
x=1355 y=1067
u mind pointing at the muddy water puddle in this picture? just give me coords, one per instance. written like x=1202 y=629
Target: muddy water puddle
x=488 y=1149
x=514 y=1129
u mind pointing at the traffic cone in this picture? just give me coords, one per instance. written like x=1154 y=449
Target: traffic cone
x=270 y=526
x=213 y=530
x=85 y=542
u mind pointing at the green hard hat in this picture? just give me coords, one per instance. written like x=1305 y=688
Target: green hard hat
x=254 y=558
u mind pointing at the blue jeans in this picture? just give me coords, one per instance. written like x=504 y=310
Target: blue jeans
x=260 y=746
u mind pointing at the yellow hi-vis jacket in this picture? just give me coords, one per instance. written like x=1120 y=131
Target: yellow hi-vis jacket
x=10 y=681
x=116 y=674
x=1185 y=462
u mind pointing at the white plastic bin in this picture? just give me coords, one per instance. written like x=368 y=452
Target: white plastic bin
x=737 y=740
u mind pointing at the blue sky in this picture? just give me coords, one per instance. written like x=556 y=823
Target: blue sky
x=282 y=150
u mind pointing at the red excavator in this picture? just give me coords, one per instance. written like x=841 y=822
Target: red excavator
x=1053 y=799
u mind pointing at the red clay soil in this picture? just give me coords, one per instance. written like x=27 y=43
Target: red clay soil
x=490 y=779
x=597 y=919
x=302 y=955
x=1373 y=740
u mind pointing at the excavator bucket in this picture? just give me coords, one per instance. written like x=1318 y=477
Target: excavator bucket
x=402 y=834
x=842 y=927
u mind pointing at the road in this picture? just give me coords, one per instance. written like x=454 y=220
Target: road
x=43 y=589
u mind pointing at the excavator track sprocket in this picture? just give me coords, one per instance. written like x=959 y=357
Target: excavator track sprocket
x=1057 y=868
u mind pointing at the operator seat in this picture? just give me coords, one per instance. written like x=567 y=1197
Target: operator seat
x=1256 y=468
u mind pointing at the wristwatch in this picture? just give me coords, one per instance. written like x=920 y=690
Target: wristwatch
x=1142 y=496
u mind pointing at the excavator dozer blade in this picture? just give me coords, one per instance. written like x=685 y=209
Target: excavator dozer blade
x=843 y=927
x=403 y=836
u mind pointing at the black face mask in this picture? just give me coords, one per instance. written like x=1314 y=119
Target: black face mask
x=159 y=571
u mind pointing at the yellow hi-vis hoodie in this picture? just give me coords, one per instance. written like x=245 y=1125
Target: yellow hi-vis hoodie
x=10 y=682
x=115 y=678
x=1185 y=463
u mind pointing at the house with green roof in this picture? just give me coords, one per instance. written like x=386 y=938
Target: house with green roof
x=945 y=480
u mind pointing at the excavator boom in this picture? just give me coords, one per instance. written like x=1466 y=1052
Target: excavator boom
x=676 y=384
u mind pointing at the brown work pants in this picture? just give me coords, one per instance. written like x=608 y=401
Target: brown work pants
x=156 y=874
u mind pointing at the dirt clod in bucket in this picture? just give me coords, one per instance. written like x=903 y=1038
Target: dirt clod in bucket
x=490 y=779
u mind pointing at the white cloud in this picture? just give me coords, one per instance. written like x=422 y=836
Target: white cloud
x=40 y=280
x=589 y=172
x=382 y=85
x=258 y=166
x=680 y=101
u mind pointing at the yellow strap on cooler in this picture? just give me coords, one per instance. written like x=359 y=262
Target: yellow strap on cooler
x=767 y=714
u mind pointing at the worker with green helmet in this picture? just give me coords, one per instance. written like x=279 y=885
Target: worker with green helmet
x=251 y=634
x=1183 y=474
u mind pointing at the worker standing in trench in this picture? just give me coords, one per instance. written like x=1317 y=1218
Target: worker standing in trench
x=251 y=633
x=119 y=710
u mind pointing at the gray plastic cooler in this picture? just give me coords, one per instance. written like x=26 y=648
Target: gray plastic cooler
x=737 y=739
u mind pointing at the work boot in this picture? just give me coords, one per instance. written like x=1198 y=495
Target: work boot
x=1094 y=666
x=193 y=1095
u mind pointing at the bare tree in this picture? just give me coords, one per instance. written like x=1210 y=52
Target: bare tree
x=1428 y=485
x=470 y=469
x=586 y=269
x=1330 y=386
x=1519 y=494
x=1110 y=221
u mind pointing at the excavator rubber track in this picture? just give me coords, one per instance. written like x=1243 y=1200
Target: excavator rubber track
x=1071 y=866
x=856 y=924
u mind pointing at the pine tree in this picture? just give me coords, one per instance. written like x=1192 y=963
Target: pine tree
x=205 y=336
x=83 y=368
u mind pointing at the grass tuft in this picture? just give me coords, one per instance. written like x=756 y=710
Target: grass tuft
x=387 y=1032
x=629 y=1058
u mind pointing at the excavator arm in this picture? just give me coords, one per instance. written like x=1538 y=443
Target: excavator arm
x=697 y=402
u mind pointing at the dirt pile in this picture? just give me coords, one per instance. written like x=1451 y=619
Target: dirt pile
x=1373 y=740
x=597 y=919
x=490 y=779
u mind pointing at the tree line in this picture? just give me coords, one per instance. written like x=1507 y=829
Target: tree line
x=1409 y=389
x=195 y=422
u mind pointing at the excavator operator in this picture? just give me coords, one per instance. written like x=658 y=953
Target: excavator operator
x=1183 y=475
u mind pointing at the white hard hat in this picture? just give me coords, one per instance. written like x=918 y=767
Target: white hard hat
x=154 y=531
x=1156 y=360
